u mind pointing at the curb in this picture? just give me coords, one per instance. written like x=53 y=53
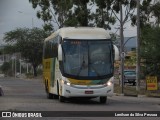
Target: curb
x=141 y=96
x=130 y=95
x=118 y=94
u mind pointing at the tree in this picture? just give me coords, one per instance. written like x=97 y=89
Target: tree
x=107 y=12
x=29 y=42
x=144 y=13
x=74 y=13
x=5 y=67
x=155 y=11
x=103 y=16
x=124 y=11
x=81 y=12
x=62 y=12
x=57 y=12
x=148 y=10
x=150 y=48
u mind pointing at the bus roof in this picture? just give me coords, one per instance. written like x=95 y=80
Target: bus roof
x=81 y=33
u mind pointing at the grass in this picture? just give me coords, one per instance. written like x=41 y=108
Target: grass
x=131 y=90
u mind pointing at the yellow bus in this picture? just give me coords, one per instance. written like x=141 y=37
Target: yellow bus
x=79 y=62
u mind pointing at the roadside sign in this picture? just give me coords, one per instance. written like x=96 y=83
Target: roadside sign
x=152 y=83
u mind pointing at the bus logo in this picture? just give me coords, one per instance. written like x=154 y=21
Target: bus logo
x=6 y=114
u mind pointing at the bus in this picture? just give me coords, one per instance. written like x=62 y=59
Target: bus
x=79 y=62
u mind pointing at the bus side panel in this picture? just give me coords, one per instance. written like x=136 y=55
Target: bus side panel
x=57 y=76
x=46 y=72
x=53 y=78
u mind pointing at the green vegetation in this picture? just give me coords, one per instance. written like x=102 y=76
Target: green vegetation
x=29 y=75
x=150 y=50
x=5 y=68
x=148 y=10
x=100 y=13
x=29 y=42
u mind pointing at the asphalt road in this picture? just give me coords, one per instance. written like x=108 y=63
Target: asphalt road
x=29 y=95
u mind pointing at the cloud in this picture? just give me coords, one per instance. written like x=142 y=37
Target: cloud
x=1 y=36
x=1 y=23
x=1 y=39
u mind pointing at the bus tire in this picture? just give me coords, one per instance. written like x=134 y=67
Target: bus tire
x=55 y=96
x=134 y=83
x=49 y=95
x=103 y=99
x=46 y=87
x=61 y=99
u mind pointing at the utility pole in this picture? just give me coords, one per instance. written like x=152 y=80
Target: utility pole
x=122 y=48
x=138 y=47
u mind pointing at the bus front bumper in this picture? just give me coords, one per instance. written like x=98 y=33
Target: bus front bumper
x=87 y=91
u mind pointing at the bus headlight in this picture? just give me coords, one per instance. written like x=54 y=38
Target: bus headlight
x=66 y=82
x=109 y=83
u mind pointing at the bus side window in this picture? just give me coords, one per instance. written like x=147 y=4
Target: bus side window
x=51 y=48
x=44 y=47
x=45 y=50
x=55 y=47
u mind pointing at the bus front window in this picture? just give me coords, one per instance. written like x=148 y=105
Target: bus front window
x=87 y=58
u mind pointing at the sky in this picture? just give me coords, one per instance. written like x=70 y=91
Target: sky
x=15 y=14
x=19 y=13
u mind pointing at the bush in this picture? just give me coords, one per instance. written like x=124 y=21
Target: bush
x=5 y=67
x=29 y=75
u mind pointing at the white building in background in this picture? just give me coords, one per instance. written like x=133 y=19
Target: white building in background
x=13 y=58
x=5 y=58
x=8 y=57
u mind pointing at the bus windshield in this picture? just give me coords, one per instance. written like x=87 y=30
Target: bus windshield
x=87 y=58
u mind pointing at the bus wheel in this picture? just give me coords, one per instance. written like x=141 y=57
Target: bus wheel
x=103 y=99
x=49 y=95
x=61 y=99
x=134 y=83
x=55 y=96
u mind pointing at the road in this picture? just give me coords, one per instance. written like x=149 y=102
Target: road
x=29 y=95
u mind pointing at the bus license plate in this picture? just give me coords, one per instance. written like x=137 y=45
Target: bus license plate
x=88 y=92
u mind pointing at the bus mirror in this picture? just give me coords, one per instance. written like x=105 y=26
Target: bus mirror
x=116 y=53
x=60 y=52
